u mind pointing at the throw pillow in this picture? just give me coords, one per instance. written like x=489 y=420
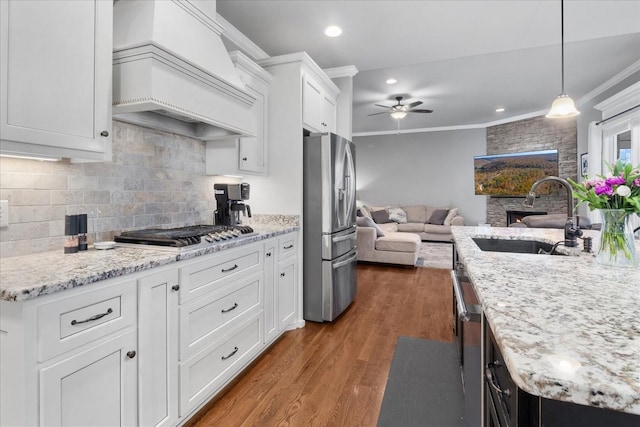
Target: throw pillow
x=452 y=214
x=438 y=216
x=416 y=213
x=397 y=215
x=381 y=216
x=365 y=221
x=365 y=211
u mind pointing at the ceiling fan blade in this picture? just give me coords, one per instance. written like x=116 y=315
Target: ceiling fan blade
x=383 y=106
x=375 y=114
x=414 y=104
x=420 y=111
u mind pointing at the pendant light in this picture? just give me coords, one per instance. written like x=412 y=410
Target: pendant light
x=563 y=106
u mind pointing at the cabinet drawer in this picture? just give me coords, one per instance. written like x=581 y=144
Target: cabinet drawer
x=204 y=276
x=203 y=321
x=287 y=245
x=79 y=319
x=208 y=371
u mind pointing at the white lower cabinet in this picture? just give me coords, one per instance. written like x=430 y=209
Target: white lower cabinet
x=270 y=306
x=158 y=348
x=128 y=352
x=287 y=280
x=209 y=370
x=95 y=387
x=287 y=292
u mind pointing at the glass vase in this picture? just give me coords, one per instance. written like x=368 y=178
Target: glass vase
x=617 y=246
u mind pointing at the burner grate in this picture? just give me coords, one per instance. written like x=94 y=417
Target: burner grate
x=182 y=236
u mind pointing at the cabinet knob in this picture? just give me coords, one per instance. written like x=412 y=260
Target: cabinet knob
x=244 y=159
x=131 y=354
x=268 y=253
x=281 y=274
x=176 y=287
x=104 y=133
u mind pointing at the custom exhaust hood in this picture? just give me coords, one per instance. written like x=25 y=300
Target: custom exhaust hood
x=172 y=72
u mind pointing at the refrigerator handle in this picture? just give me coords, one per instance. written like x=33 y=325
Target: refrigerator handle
x=350 y=236
x=345 y=262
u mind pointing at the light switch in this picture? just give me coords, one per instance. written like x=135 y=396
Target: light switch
x=4 y=213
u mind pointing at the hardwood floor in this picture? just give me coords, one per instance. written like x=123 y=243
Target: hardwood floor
x=334 y=374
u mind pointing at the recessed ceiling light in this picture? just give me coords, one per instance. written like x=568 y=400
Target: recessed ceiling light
x=499 y=110
x=391 y=81
x=332 y=31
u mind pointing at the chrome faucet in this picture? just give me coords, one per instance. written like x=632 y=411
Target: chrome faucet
x=571 y=228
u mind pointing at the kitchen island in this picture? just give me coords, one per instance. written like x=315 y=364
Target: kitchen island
x=567 y=327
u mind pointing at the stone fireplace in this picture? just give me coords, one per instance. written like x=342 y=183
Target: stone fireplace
x=538 y=133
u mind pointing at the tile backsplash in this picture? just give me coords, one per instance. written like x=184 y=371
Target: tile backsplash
x=155 y=179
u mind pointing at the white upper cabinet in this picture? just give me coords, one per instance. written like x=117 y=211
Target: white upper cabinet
x=245 y=154
x=329 y=114
x=318 y=106
x=56 y=78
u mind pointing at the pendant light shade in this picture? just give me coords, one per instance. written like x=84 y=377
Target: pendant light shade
x=399 y=114
x=563 y=106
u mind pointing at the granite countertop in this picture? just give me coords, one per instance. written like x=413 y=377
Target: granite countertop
x=549 y=312
x=30 y=276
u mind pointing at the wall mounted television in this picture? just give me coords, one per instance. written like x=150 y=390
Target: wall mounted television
x=513 y=174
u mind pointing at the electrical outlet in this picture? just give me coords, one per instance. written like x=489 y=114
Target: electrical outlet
x=4 y=213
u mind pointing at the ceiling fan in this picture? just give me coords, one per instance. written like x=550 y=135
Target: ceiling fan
x=399 y=110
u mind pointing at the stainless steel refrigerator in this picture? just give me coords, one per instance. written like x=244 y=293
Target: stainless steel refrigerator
x=329 y=226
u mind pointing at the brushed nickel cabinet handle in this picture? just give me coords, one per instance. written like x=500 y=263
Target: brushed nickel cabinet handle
x=176 y=287
x=92 y=318
x=235 y=350
x=489 y=375
x=288 y=247
x=131 y=354
x=226 y=310
x=104 y=133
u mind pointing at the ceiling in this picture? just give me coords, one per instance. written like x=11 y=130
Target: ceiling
x=462 y=59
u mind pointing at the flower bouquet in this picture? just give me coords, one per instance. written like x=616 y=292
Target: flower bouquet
x=617 y=196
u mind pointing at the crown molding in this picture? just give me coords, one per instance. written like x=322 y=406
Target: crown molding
x=630 y=70
x=337 y=72
x=243 y=43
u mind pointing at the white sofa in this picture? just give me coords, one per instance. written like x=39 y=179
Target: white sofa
x=396 y=236
x=393 y=247
x=419 y=219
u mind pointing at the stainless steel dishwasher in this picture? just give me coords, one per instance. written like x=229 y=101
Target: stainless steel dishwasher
x=468 y=331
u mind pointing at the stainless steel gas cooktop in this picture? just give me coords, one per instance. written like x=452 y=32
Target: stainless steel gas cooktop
x=182 y=238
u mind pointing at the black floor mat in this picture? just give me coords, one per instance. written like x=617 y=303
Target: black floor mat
x=424 y=386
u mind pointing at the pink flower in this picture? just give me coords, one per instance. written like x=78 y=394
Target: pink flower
x=603 y=187
x=590 y=183
x=615 y=180
x=636 y=182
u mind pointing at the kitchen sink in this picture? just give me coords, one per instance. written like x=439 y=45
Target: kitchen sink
x=517 y=246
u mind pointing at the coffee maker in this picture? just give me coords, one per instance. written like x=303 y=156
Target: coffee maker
x=230 y=203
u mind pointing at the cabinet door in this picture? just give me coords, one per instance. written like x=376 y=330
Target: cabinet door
x=56 y=78
x=158 y=349
x=328 y=115
x=270 y=306
x=96 y=387
x=287 y=292
x=252 y=150
x=312 y=96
